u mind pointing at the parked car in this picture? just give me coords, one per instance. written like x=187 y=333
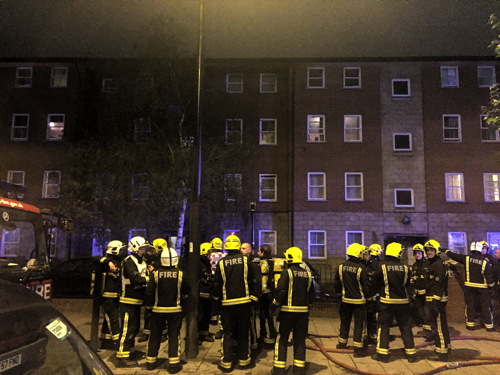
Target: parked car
x=73 y=278
x=37 y=339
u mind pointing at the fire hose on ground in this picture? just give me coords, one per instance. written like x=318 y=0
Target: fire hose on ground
x=472 y=361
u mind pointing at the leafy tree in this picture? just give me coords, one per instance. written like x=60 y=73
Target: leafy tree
x=492 y=111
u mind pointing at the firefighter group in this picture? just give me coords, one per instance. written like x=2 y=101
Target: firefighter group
x=258 y=301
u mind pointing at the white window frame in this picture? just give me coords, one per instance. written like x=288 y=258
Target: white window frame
x=270 y=133
x=408 y=86
x=347 y=79
x=231 y=195
x=449 y=129
x=229 y=133
x=492 y=134
x=140 y=184
x=16 y=177
x=59 y=81
x=321 y=188
x=318 y=244
x=316 y=132
x=10 y=248
x=313 y=81
x=357 y=130
x=410 y=142
x=492 y=76
x=412 y=197
x=265 y=235
x=234 y=83
x=491 y=183
x=348 y=187
x=142 y=232
x=356 y=233
x=48 y=185
x=274 y=179
x=450 y=189
x=24 y=81
x=142 y=130
x=492 y=242
x=445 y=78
x=59 y=128
x=15 y=116
x=457 y=246
x=268 y=87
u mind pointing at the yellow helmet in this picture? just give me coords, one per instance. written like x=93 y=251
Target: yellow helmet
x=216 y=243
x=433 y=244
x=204 y=247
x=375 y=250
x=485 y=245
x=394 y=249
x=355 y=250
x=232 y=242
x=418 y=247
x=293 y=255
x=160 y=244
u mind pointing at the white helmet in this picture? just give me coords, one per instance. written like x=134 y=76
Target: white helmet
x=114 y=247
x=169 y=258
x=135 y=243
x=476 y=246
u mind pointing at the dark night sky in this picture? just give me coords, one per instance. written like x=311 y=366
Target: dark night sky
x=249 y=28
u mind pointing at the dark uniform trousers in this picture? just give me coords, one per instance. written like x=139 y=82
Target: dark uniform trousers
x=267 y=329
x=236 y=323
x=347 y=311
x=131 y=324
x=111 y=324
x=477 y=299
x=386 y=315
x=419 y=311
x=288 y=321
x=372 y=308
x=254 y=316
x=439 y=325
x=204 y=315
x=174 y=322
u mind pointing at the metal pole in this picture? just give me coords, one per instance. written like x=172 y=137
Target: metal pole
x=252 y=213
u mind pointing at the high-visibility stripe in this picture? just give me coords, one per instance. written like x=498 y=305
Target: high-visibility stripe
x=121 y=353
x=110 y=295
x=290 y=288
x=165 y=309
x=295 y=308
x=394 y=301
x=236 y=301
x=299 y=363
x=150 y=359
x=131 y=301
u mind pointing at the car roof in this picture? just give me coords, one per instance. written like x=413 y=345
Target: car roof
x=14 y=296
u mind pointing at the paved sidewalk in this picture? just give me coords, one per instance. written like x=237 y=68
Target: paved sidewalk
x=323 y=322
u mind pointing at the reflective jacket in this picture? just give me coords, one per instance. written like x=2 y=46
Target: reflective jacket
x=111 y=282
x=392 y=278
x=295 y=291
x=419 y=273
x=267 y=275
x=351 y=281
x=478 y=272
x=437 y=284
x=166 y=290
x=134 y=280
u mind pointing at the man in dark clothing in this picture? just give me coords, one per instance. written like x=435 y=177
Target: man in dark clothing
x=418 y=281
x=392 y=278
x=371 y=259
x=205 y=287
x=294 y=294
x=266 y=264
x=351 y=283
x=247 y=250
x=165 y=294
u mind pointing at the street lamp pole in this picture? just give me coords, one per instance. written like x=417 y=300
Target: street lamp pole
x=252 y=218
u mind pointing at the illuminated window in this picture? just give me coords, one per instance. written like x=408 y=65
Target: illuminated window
x=268 y=188
x=51 y=184
x=493 y=239
x=402 y=141
x=234 y=131
x=55 y=127
x=315 y=128
x=352 y=78
x=268 y=83
x=268 y=237
x=315 y=78
x=489 y=133
x=353 y=186
x=20 y=126
x=24 y=77
x=491 y=187
x=234 y=83
x=268 y=131
x=452 y=128
x=401 y=88
x=316 y=244
x=354 y=237
x=457 y=242
x=353 y=128
x=449 y=76
x=403 y=198
x=486 y=76
x=316 y=190
x=454 y=185
x=59 y=77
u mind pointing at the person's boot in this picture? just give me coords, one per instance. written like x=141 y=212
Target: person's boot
x=143 y=337
x=341 y=346
x=126 y=362
x=384 y=358
x=151 y=366
x=174 y=369
x=360 y=352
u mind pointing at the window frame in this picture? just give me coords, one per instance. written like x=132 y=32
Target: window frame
x=274 y=234
x=485 y=128
x=3 y=243
x=11 y=173
x=448 y=67
x=320 y=187
x=262 y=132
x=398 y=80
x=134 y=232
x=347 y=187
x=273 y=85
x=493 y=76
x=491 y=242
x=321 y=79
x=237 y=191
x=451 y=243
x=493 y=186
x=310 y=244
x=29 y=79
x=410 y=142
x=46 y=185
x=61 y=131
x=412 y=197
x=237 y=84
x=227 y=133
x=447 y=128
x=449 y=189
x=354 y=232
x=321 y=129
x=54 y=80
x=345 y=78
x=14 y=127
x=270 y=177
x=140 y=189
x=358 y=129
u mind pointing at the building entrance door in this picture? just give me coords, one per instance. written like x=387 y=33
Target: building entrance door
x=407 y=242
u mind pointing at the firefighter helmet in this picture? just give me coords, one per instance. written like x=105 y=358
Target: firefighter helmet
x=204 y=247
x=160 y=244
x=169 y=258
x=114 y=247
x=418 y=247
x=232 y=242
x=135 y=243
x=293 y=255
x=216 y=243
x=355 y=250
x=476 y=246
x=433 y=244
x=486 y=246
x=375 y=250
x=394 y=249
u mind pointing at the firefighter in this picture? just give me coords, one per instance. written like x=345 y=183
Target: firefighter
x=205 y=295
x=371 y=259
x=110 y=292
x=165 y=295
x=234 y=289
x=247 y=250
x=266 y=264
x=478 y=279
x=215 y=253
x=418 y=280
x=352 y=284
x=134 y=280
x=436 y=298
x=392 y=278
x=294 y=295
